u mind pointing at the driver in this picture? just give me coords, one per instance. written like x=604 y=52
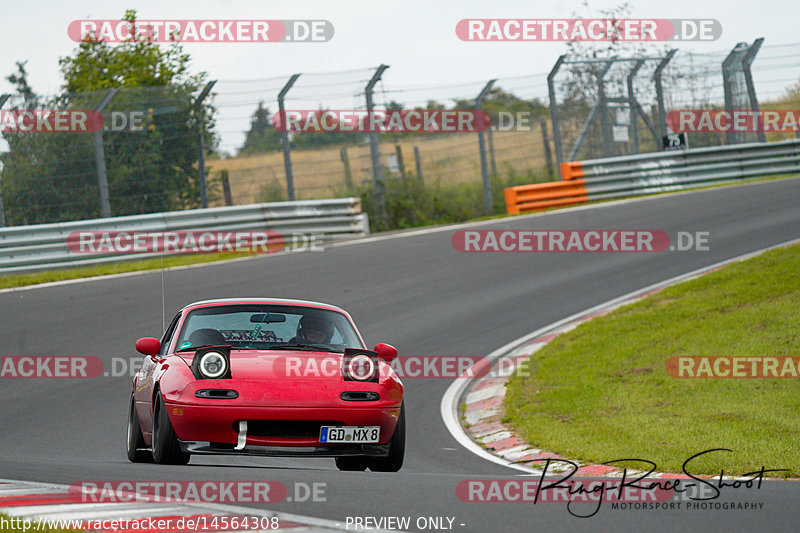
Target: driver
x=313 y=330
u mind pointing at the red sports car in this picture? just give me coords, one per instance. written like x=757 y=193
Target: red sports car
x=266 y=377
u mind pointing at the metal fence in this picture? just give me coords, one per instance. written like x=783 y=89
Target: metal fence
x=172 y=149
x=640 y=174
x=45 y=246
x=624 y=101
x=143 y=159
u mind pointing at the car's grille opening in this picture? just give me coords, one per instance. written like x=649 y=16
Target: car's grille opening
x=360 y=396
x=224 y=394
x=288 y=428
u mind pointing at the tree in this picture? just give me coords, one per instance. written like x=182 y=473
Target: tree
x=394 y=106
x=433 y=105
x=153 y=168
x=498 y=100
x=136 y=62
x=45 y=176
x=20 y=82
x=262 y=136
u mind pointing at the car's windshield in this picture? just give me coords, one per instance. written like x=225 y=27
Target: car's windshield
x=262 y=327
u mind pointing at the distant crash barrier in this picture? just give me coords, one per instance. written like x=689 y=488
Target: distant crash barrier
x=52 y=246
x=615 y=177
x=552 y=194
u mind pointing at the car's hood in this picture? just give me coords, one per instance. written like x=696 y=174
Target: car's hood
x=289 y=379
x=271 y=364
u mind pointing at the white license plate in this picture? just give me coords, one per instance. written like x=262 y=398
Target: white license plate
x=356 y=434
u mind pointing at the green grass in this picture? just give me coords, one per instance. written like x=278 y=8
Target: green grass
x=19 y=280
x=602 y=391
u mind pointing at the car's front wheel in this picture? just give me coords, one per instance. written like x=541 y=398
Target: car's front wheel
x=397 y=448
x=137 y=449
x=166 y=450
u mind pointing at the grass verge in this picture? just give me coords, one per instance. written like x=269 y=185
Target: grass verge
x=602 y=392
x=34 y=278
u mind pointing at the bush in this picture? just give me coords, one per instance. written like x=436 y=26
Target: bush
x=272 y=191
x=410 y=203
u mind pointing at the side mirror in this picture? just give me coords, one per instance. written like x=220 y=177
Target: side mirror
x=386 y=352
x=148 y=346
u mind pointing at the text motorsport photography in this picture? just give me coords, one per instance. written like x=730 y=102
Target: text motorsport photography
x=635 y=490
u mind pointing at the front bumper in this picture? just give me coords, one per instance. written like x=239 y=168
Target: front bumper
x=209 y=448
x=217 y=425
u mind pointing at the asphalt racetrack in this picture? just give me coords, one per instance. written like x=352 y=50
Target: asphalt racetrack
x=413 y=291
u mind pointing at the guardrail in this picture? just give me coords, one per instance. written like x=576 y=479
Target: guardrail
x=615 y=177
x=540 y=195
x=44 y=246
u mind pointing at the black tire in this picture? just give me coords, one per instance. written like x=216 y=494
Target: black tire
x=136 y=448
x=354 y=463
x=166 y=450
x=397 y=448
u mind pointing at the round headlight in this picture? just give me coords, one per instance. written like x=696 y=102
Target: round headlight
x=213 y=365
x=361 y=367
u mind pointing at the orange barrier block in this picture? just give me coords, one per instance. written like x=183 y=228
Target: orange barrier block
x=526 y=198
x=571 y=170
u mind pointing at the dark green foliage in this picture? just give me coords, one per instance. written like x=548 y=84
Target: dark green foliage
x=262 y=136
x=52 y=177
x=409 y=203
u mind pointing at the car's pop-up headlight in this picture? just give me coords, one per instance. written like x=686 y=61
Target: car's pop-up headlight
x=212 y=365
x=212 y=362
x=360 y=365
